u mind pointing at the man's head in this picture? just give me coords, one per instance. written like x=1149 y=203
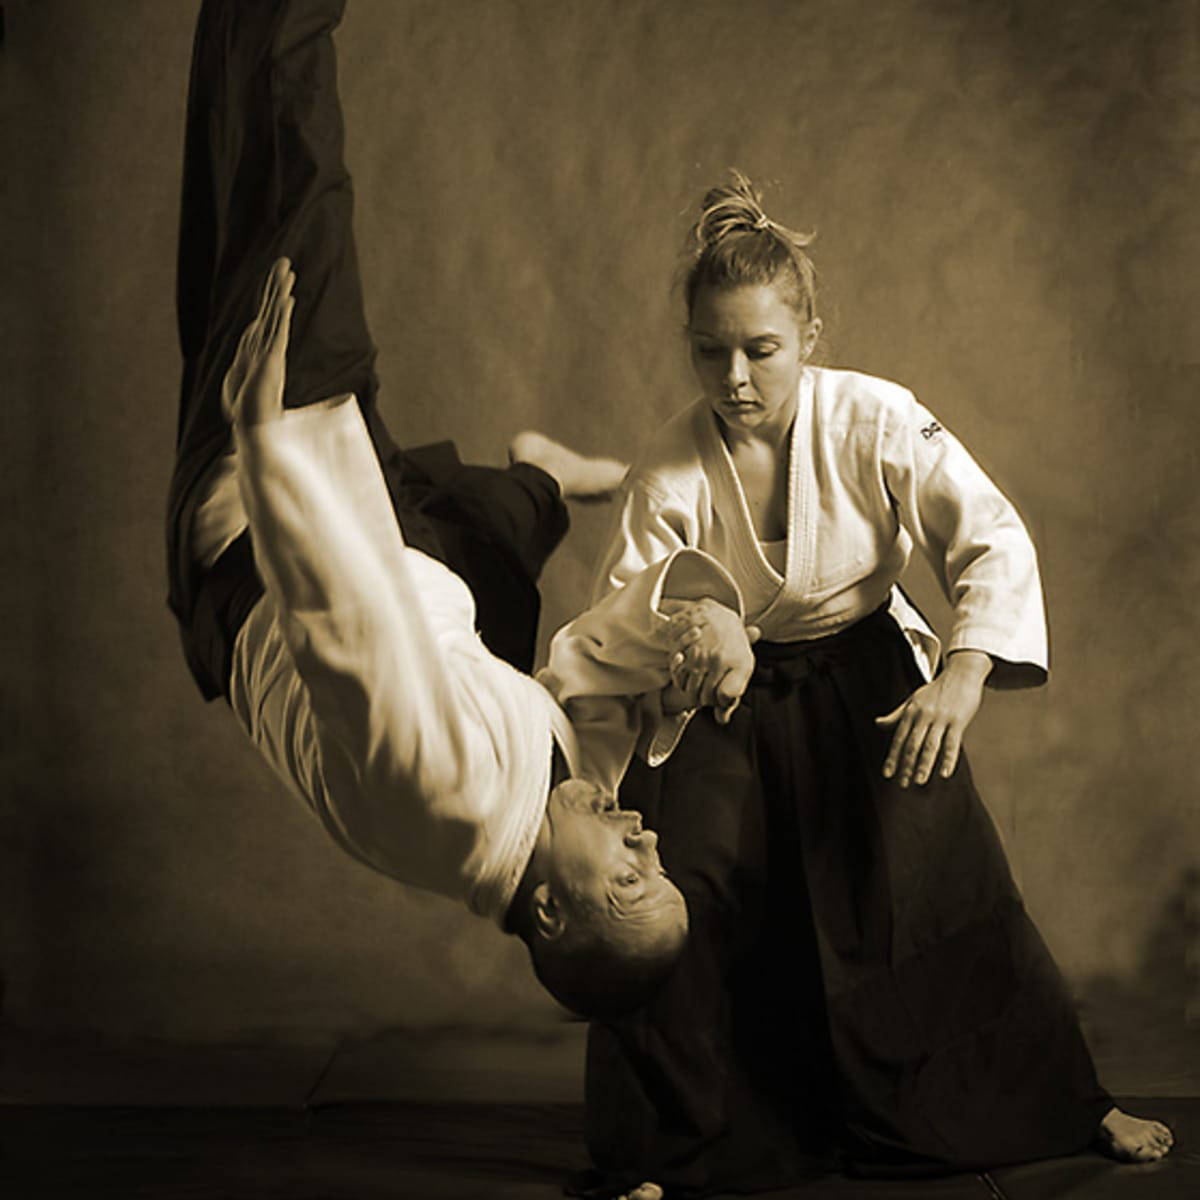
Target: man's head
x=603 y=923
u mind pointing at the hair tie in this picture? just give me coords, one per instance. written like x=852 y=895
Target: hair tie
x=762 y=221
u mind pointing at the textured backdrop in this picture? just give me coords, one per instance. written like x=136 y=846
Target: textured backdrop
x=1004 y=196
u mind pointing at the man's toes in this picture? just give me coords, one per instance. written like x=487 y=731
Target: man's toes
x=647 y=1191
x=644 y=1191
x=1151 y=1151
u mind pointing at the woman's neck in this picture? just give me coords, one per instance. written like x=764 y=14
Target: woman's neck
x=775 y=434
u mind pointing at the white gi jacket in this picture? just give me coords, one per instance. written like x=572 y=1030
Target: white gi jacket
x=872 y=473
x=360 y=676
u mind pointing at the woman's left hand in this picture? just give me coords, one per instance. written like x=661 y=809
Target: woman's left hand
x=934 y=718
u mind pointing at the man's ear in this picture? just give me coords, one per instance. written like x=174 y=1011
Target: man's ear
x=549 y=917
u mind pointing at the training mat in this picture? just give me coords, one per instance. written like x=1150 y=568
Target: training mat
x=449 y=1151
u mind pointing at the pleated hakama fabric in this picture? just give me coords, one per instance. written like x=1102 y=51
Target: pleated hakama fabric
x=863 y=987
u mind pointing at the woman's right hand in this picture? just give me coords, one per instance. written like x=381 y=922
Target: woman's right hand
x=710 y=659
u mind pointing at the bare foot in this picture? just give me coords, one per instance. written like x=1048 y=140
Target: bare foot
x=644 y=1191
x=1134 y=1139
x=579 y=477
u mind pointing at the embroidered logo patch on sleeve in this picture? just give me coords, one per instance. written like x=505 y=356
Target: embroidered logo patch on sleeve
x=931 y=430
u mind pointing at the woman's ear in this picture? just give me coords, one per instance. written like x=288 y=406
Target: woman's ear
x=809 y=340
x=549 y=917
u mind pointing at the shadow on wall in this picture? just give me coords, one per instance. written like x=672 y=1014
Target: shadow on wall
x=1144 y=1029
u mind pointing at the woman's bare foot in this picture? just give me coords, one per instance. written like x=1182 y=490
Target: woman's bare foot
x=1134 y=1139
x=644 y=1191
x=578 y=477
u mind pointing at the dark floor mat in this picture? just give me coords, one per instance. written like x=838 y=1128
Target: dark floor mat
x=453 y=1151
x=1094 y=1177
x=443 y=1152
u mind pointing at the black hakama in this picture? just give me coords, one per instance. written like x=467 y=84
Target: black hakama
x=864 y=986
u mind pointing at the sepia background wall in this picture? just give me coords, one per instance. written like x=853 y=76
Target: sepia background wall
x=1004 y=196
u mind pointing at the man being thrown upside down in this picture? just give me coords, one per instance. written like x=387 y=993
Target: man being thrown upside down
x=329 y=585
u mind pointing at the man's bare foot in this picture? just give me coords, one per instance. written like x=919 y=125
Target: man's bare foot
x=578 y=477
x=1134 y=1139
x=644 y=1191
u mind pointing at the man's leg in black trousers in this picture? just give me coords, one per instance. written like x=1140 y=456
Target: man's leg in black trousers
x=264 y=177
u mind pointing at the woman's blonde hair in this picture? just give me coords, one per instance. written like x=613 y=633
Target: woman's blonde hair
x=734 y=243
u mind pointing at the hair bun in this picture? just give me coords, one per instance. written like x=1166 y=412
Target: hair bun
x=734 y=207
x=734 y=242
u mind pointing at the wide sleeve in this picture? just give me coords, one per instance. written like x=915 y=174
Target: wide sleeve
x=650 y=525
x=366 y=634
x=608 y=666
x=975 y=540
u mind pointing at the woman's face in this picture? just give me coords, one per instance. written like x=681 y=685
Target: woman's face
x=748 y=346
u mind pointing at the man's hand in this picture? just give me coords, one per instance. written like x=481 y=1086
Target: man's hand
x=252 y=392
x=934 y=718
x=710 y=657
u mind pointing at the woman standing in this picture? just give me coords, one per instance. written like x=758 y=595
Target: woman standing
x=926 y=994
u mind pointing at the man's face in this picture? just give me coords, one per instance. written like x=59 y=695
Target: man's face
x=602 y=858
